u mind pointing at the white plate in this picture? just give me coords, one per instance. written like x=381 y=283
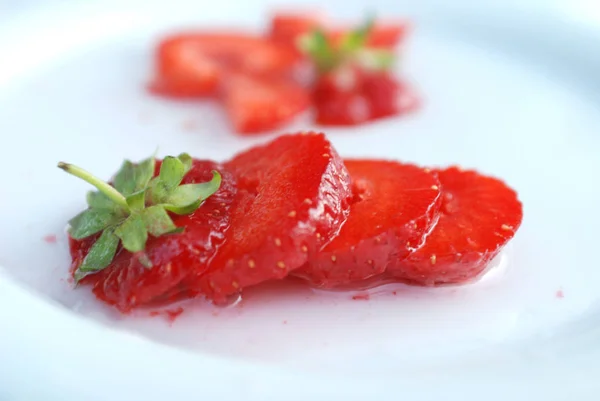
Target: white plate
x=511 y=90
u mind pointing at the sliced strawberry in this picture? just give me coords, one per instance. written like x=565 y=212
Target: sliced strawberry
x=388 y=34
x=387 y=96
x=255 y=104
x=191 y=64
x=479 y=216
x=338 y=100
x=176 y=259
x=395 y=205
x=351 y=96
x=293 y=196
x=184 y=70
x=381 y=35
x=288 y=27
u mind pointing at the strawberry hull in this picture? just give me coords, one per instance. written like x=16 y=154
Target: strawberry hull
x=176 y=259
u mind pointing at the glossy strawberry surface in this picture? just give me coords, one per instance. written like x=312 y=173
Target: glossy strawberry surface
x=176 y=258
x=293 y=196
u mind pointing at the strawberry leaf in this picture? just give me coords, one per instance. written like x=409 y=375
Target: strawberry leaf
x=133 y=233
x=157 y=221
x=100 y=255
x=183 y=209
x=137 y=200
x=187 y=198
x=356 y=39
x=97 y=200
x=92 y=221
x=351 y=49
x=134 y=207
x=171 y=173
x=187 y=162
x=134 y=177
x=317 y=46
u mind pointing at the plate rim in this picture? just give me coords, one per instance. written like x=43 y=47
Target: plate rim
x=220 y=371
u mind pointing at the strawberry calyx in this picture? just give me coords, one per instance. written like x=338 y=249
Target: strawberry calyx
x=136 y=205
x=351 y=49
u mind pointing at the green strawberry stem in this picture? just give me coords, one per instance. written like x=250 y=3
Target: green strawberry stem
x=102 y=186
x=135 y=207
x=352 y=49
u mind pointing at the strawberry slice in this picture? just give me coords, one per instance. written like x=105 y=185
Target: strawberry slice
x=395 y=205
x=192 y=64
x=388 y=96
x=293 y=196
x=256 y=105
x=479 y=215
x=174 y=259
x=183 y=70
x=351 y=96
x=338 y=100
x=287 y=27
x=387 y=34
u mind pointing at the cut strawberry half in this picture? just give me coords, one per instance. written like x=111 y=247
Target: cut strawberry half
x=256 y=104
x=479 y=216
x=192 y=64
x=293 y=196
x=176 y=259
x=395 y=205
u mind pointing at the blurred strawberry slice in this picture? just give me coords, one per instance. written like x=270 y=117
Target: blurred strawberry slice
x=258 y=104
x=191 y=64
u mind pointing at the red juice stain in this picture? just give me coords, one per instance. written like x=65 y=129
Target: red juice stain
x=173 y=314
x=285 y=322
x=363 y=296
x=394 y=292
x=560 y=294
x=50 y=239
x=170 y=314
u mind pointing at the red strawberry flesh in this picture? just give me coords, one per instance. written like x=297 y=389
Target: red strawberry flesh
x=293 y=196
x=192 y=64
x=289 y=26
x=395 y=205
x=351 y=96
x=256 y=105
x=479 y=216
